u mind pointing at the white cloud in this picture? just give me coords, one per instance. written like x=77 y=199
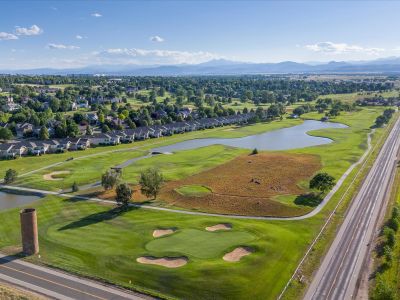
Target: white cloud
x=62 y=46
x=33 y=30
x=157 y=39
x=152 y=57
x=7 y=36
x=96 y=15
x=341 y=48
x=79 y=37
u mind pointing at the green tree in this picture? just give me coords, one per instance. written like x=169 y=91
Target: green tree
x=44 y=133
x=322 y=182
x=54 y=104
x=10 y=176
x=89 y=130
x=5 y=134
x=105 y=128
x=380 y=120
x=109 y=179
x=124 y=194
x=151 y=182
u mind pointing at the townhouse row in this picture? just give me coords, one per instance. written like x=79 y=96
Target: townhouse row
x=40 y=147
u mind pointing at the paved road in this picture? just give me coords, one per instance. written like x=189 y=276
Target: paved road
x=58 y=285
x=340 y=270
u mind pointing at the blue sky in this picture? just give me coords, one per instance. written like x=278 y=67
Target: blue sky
x=61 y=34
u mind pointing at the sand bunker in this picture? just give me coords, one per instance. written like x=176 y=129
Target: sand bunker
x=161 y=232
x=49 y=176
x=169 y=262
x=237 y=254
x=217 y=227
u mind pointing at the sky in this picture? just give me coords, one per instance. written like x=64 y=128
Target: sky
x=72 y=34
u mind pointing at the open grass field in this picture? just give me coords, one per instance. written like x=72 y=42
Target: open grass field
x=247 y=185
x=82 y=171
x=353 y=97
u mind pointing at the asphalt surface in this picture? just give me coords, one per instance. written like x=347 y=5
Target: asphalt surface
x=340 y=269
x=58 y=285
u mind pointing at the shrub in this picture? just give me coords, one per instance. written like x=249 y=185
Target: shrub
x=394 y=224
x=10 y=176
x=255 y=151
x=390 y=236
x=75 y=187
x=383 y=290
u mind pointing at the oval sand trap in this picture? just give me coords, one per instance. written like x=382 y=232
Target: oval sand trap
x=161 y=232
x=237 y=254
x=168 y=262
x=49 y=176
x=223 y=226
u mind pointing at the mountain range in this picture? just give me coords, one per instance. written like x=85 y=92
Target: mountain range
x=389 y=65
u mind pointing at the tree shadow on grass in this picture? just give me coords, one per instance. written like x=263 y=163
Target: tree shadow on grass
x=98 y=217
x=309 y=199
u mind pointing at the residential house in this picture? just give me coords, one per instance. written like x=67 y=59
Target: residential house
x=109 y=138
x=10 y=105
x=5 y=150
x=35 y=147
x=92 y=118
x=23 y=129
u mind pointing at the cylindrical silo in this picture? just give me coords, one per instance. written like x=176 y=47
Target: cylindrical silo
x=29 y=232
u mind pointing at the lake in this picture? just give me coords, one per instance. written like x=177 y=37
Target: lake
x=281 y=139
x=11 y=200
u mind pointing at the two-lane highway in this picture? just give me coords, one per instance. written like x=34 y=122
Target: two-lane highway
x=58 y=285
x=340 y=269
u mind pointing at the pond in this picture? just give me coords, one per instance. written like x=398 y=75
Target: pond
x=12 y=200
x=281 y=139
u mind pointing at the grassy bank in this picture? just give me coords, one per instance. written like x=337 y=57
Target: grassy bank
x=386 y=280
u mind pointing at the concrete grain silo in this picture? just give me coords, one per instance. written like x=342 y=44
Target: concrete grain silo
x=29 y=232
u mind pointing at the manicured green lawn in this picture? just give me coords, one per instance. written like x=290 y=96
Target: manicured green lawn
x=94 y=240
x=199 y=243
x=183 y=163
x=193 y=190
x=82 y=171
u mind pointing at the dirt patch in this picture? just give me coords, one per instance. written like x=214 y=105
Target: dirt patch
x=161 y=232
x=248 y=184
x=52 y=175
x=217 y=227
x=168 y=262
x=237 y=254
